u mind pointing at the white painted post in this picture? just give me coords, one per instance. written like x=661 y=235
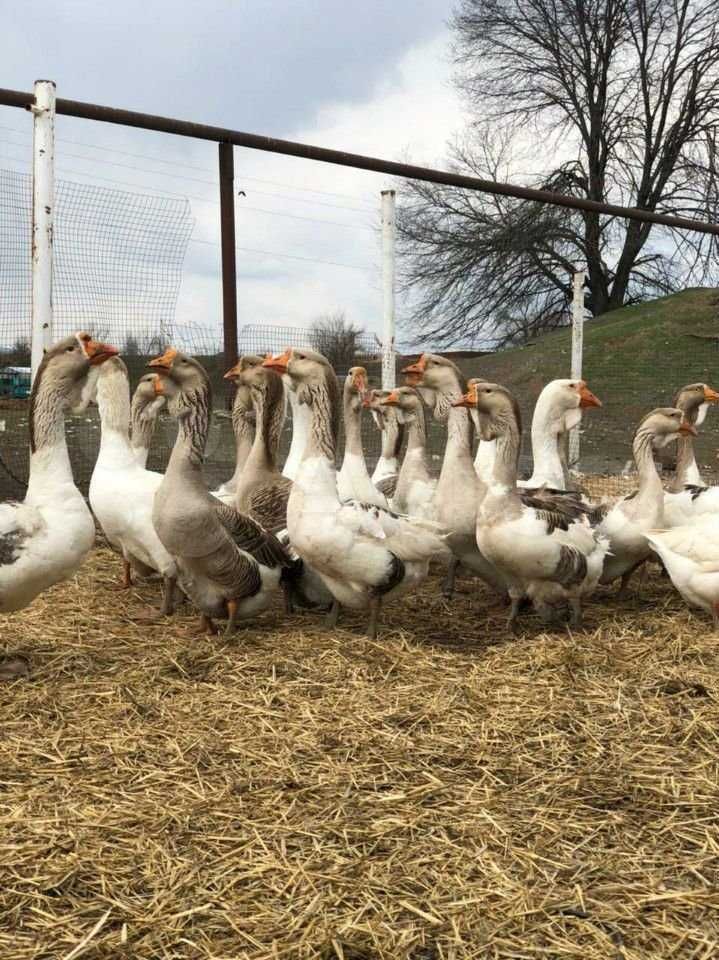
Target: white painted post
x=43 y=209
x=577 y=351
x=388 y=331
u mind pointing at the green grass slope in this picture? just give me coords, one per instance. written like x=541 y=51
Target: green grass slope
x=634 y=359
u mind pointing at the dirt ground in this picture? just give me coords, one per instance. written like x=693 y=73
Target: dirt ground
x=446 y=791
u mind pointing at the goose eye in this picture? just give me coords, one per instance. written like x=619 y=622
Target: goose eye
x=70 y=349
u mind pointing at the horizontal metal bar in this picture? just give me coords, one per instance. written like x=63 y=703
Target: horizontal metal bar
x=202 y=131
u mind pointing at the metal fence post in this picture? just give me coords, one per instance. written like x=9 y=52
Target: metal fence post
x=577 y=351
x=388 y=323
x=43 y=210
x=229 y=267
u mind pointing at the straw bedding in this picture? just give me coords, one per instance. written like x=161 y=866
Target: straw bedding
x=444 y=792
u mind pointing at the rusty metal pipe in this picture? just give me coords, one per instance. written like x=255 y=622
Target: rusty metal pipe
x=201 y=131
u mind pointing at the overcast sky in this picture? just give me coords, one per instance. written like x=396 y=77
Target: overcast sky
x=369 y=78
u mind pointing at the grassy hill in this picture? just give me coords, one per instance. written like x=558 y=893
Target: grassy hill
x=634 y=360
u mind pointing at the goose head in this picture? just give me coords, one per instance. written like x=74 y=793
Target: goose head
x=560 y=404
x=304 y=367
x=244 y=366
x=355 y=388
x=146 y=404
x=406 y=401
x=497 y=408
x=435 y=372
x=71 y=366
x=180 y=376
x=666 y=424
x=694 y=399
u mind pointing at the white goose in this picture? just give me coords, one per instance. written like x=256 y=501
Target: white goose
x=353 y=480
x=122 y=491
x=627 y=522
x=243 y=426
x=558 y=409
x=363 y=553
x=688 y=498
x=690 y=555
x=386 y=473
x=144 y=411
x=693 y=400
x=415 y=490
x=44 y=539
x=554 y=559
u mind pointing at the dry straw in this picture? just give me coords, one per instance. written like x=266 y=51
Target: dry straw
x=444 y=792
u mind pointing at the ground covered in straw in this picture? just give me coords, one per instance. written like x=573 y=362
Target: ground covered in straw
x=446 y=791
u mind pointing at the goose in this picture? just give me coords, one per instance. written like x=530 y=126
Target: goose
x=243 y=426
x=44 y=539
x=364 y=553
x=459 y=488
x=690 y=554
x=262 y=491
x=353 y=479
x=301 y=424
x=228 y=565
x=688 y=498
x=144 y=411
x=386 y=473
x=415 y=490
x=558 y=409
x=553 y=558
x=693 y=400
x=627 y=522
x=121 y=490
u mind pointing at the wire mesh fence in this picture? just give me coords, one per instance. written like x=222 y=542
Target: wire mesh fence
x=119 y=260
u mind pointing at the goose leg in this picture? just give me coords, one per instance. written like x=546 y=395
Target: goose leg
x=287 y=593
x=231 y=617
x=448 y=585
x=514 y=614
x=575 y=612
x=168 y=596
x=333 y=615
x=622 y=593
x=207 y=626
x=375 y=605
x=126 y=575
x=715 y=615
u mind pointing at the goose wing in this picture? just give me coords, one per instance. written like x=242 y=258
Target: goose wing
x=411 y=538
x=18 y=523
x=249 y=536
x=387 y=486
x=268 y=503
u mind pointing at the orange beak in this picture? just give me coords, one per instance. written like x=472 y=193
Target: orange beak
x=158 y=386
x=469 y=399
x=232 y=372
x=165 y=361
x=586 y=397
x=688 y=429
x=417 y=368
x=710 y=396
x=391 y=400
x=97 y=352
x=280 y=362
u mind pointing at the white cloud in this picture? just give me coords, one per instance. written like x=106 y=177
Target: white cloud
x=410 y=115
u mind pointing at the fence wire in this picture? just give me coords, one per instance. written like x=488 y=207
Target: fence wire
x=117 y=269
x=118 y=266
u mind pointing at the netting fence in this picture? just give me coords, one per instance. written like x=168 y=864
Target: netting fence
x=119 y=260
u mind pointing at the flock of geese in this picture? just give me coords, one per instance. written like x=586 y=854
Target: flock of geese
x=328 y=539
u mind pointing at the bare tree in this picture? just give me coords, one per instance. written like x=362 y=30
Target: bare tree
x=631 y=89
x=340 y=341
